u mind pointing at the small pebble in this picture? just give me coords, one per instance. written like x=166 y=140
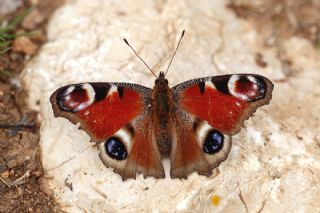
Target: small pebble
x=12 y=163
x=37 y=173
x=5 y=174
x=32 y=20
x=25 y=45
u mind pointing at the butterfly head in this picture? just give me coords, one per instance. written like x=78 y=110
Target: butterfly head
x=161 y=80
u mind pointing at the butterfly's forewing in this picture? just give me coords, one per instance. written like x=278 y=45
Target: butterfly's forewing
x=207 y=111
x=115 y=115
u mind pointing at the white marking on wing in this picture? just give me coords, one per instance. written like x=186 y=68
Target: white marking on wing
x=90 y=93
x=210 y=84
x=125 y=137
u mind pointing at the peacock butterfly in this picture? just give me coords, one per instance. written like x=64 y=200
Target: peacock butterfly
x=191 y=123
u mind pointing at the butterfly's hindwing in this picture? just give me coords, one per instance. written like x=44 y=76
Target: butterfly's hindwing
x=194 y=149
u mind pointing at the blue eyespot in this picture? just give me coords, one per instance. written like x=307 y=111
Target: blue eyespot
x=115 y=148
x=213 y=142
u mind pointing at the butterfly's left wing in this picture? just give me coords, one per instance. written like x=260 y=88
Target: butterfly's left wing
x=207 y=112
x=117 y=116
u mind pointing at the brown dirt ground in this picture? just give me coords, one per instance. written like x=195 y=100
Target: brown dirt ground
x=20 y=164
x=280 y=19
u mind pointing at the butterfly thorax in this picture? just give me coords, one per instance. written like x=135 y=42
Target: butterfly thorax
x=162 y=121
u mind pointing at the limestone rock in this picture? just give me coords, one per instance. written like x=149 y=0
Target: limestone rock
x=274 y=164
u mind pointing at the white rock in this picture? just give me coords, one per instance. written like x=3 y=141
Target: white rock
x=274 y=164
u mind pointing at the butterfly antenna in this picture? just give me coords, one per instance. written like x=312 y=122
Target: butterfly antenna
x=125 y=40
x=182 y=34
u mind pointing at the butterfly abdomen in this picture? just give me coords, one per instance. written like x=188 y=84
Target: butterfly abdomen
x=162 y=121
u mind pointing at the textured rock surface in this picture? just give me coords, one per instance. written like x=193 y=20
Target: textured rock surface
x=274 y=164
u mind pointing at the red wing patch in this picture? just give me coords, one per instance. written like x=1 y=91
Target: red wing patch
x=222 y=111
x=105 y=117
x=100 y=108
x=224 y=101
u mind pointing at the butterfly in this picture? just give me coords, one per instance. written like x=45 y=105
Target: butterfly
x=191 y=123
